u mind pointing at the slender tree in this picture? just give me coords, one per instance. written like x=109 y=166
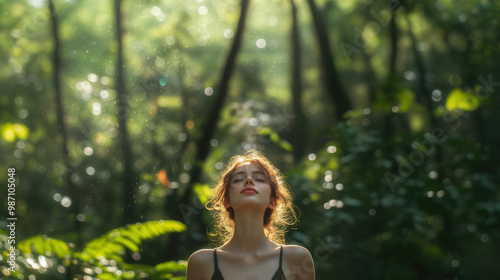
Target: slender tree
x=299 y=127
x=424 y=95
x=203 y=143
x=331 y=77
x=63 y=131
x=392 y=84
x=129 y=177
x=394 y=33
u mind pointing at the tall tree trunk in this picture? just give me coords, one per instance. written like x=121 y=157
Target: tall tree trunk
x=203 y=144
x=424 y=95
x=170 y=201
x=394 y=44
x=333 y=86
x=56 y=61
x=129 y=177
x=299 y=126
x=392 y=84
x=370 y=78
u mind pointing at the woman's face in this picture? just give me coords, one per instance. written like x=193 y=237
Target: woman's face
x=249 y=187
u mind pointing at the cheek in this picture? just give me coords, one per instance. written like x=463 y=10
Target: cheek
x=268 y=191
x=230 y=192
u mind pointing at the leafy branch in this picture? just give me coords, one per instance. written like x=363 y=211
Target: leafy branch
x=102 y=256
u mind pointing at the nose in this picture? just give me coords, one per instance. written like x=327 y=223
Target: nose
x=248 y=181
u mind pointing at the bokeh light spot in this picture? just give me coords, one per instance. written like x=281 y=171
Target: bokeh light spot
x=214 y=142
x=80 y=217
x=57 y=197
x=272 y=21
x=184 y=178
x=410 y=75
x=90 y=170
x=219 y=165
x=328 y=178
x=66 y=201
x=23 y=114
x=261 y=43
x=96 y=109
x=209 y=91
x=331 y=149
x=156 y=11
x=190 y=124
x=92 y=77
x=104 y=94
x=203 y=10
x=436 y=95
x=88 y=151
x=228 y=33
x=104 y=80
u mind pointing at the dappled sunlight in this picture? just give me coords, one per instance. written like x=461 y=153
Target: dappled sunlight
x=382 y=117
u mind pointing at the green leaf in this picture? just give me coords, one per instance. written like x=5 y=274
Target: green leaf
x=286 y=145
x=170 y=266
x=107 y=276
x=167 y=269
x=406 y=99
x=314 y=197
x=204 y=192
x=460 y=100
x=127 y=243
x=43 y=245
x=11 y=131
x=275 y=138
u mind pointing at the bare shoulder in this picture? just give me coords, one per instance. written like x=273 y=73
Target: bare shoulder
x=298 y=263
x=200 y=265
x=295 y=252
x=202 y=255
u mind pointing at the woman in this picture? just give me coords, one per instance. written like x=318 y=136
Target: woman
x=253 y=208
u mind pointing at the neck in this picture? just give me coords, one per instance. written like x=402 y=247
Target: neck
x=249 y=231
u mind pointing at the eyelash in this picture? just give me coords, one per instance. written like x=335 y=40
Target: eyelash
x=239 y=180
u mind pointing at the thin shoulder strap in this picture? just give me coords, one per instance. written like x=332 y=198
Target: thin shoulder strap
x=281 y=255
x=216 y=266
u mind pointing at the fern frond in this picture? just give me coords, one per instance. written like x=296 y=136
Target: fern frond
x=167 y=270
x=44 y=245
x=113 y=243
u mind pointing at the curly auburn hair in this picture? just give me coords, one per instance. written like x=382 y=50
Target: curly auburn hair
x=276 y=221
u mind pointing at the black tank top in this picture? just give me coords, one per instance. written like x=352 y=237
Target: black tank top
x=279 y=275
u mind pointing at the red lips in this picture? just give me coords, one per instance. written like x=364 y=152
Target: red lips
x=248 y=190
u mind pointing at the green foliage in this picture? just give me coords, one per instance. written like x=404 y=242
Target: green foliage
x=10 y=132
x=275 y=138
x=204 y=192
x=43 y=245
x=417 y=204
x=460 y=100
x=102 y=257
x=403 y=188
x=112 y=245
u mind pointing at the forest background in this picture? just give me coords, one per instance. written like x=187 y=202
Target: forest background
x=117 y=118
